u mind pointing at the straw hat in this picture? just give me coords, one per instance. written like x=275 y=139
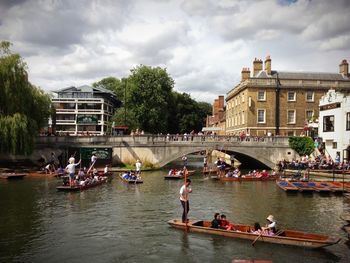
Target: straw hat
x=270 y=218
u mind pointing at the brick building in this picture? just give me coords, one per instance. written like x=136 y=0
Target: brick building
x=278 y=102
x=217 y=119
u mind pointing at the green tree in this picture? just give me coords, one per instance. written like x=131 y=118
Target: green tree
x=112 y=84
x=24 y=108
x=302 y=145
x=150 y=90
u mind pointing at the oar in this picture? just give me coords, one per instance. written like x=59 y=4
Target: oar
x=256 y=239
x=186 y=219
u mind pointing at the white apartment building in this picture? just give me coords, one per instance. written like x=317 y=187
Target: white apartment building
x=84 y=110
x=334 y=123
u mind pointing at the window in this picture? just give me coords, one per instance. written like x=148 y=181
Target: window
x=243 y=117
x=310 y=96
x=309 y=114
x=328 y=123
x=348 y=121
x=261 y=116
x=242 y=97
x=261 y=95
x=291 y=117
x=334 y=145
x=291 y=96
x=290 y=133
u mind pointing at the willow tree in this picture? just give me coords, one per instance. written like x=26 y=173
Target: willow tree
x=24 y=108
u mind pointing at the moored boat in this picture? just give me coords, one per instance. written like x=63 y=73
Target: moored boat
x=286 y=237
x=77 y=188
x=302 y=186
x=11 y=176
x=130 y=180
x=286 y=186
x=247 y=178
x=319 y=187
x=178 y=175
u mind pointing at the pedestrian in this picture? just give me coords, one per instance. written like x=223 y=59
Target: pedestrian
x=93 y=159
x=71 y=171
x=184 y=159
x=184 y=199
x=138 y=167
x=205 y=164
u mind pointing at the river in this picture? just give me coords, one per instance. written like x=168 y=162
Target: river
x=118 y=222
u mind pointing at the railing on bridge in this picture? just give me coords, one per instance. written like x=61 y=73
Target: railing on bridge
x=152 y=139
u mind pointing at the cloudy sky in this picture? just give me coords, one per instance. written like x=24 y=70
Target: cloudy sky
x=203 y=43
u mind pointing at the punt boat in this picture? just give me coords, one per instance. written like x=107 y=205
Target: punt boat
x=247 y=178
x=179 y=176
x=11 y=176
x=76 y=188
x=131 y=181
x=286 y=237
x=303 y=186
x=319 y=187
x=286 y=186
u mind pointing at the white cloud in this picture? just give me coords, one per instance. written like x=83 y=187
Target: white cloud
x=203 y=43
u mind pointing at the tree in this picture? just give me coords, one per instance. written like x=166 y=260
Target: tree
x=112 y=84
x=24 y=108
x=150 y=90
x=302 y=145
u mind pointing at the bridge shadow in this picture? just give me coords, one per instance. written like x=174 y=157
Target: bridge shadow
x=130 y=150
x=247 y=161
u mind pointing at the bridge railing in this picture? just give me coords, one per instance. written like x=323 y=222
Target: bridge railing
x=151 y=139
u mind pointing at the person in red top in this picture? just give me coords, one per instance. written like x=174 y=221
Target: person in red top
x=225 y=224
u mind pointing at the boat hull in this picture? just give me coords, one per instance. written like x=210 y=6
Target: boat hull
x=300 y=239
x=65 y=188
x=138 y=181
x=246 y=179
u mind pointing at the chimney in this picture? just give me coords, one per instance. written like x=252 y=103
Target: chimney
x=245 y=74
x=257 y=66
x=268 y=65
x=344 y=68
x=221 y=102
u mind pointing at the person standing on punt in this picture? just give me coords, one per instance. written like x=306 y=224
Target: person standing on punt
x=138 y=168
x=71 y=171
x=184 y=199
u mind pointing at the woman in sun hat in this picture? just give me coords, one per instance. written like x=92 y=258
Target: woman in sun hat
x=271 y=224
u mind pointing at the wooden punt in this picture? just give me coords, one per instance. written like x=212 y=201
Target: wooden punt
x=247 y=178
x=12 y=176
x=303 y=186
x=334 y=188
x=131 y=181
x=319 y=187
x=176 y=177
x=287 y=237
x=76 y=188
x=286 y=186
x=345 y=186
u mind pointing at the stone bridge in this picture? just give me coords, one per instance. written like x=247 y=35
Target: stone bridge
x=160 y=150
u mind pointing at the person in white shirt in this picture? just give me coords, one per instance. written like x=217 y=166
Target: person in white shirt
x=138 y=168
x=105 y=170
x=93 y=159
x=271 y=225
x=184 y=199
x=71 y=171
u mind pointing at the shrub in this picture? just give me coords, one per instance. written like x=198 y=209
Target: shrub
x=302 y=145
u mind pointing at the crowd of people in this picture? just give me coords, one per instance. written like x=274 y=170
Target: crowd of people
x=319 y=162
x=221 y=222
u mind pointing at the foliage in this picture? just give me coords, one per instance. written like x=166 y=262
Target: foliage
x=150 y=89
x=150 y=104
x=302 y=145
x=23 y=108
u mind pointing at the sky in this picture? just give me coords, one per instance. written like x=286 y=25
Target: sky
x=203 y=44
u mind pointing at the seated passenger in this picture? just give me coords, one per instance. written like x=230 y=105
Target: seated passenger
x=216 y=221
x=257 y=229
x=271 y=225
x=225 y=224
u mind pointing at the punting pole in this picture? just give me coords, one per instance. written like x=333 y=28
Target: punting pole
x=186 y=219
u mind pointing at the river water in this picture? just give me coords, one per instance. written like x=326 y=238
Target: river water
x=118 y=222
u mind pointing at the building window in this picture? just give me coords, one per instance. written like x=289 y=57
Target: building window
x=309 y=115
x=291 y=117
x=334 y=145
x=310 y=96
x=261 y=95
x=261 y=116
x=328 y=123
x=242 y=97
x=291 y=96
x=348 y=121
x=290 y=133
x=242 y=117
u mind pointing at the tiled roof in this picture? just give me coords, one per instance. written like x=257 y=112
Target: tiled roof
x=302 y=75
x=85 y=88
